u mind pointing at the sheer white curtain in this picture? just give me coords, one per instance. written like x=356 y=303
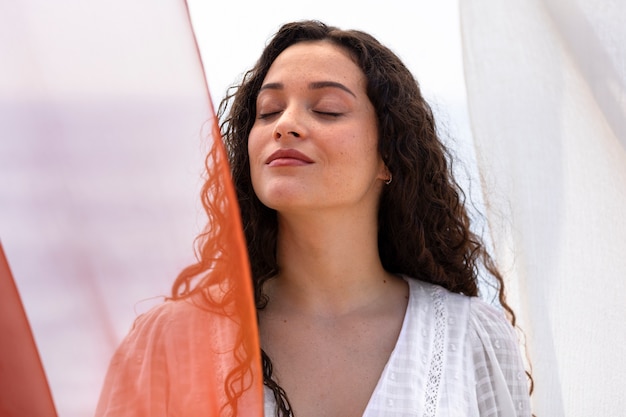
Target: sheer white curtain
x=546 y=85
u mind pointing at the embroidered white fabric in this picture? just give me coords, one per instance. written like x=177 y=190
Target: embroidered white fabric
x=455 y=356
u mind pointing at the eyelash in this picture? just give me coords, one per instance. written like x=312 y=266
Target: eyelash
x=330 y=114
x=322 y=113
x=267 y=115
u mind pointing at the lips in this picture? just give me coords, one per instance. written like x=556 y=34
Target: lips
x=288 y=157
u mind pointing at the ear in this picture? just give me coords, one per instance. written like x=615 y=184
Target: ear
x=385 y=174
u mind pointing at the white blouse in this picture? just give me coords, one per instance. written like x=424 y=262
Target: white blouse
x=455 y=356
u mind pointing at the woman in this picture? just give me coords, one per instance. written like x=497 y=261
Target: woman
x=364 y=266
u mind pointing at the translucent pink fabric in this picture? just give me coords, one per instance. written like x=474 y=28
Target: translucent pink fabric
x=105 y=120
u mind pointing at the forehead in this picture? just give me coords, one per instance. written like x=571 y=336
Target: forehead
x=319 y=60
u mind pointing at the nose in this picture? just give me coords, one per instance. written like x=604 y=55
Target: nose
x=289 y=123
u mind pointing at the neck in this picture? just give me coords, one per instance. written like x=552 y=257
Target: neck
x=328 y=264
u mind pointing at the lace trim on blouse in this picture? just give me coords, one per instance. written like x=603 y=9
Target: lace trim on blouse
x=435 y=371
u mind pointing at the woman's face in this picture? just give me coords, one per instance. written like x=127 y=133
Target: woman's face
x=314 y=143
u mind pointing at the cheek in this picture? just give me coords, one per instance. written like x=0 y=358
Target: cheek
x=255 y=150
x=254 y=147
x=252 y=141
x=359 y=148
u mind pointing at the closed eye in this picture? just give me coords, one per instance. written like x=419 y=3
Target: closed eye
x=268 y=115
x=328 y=113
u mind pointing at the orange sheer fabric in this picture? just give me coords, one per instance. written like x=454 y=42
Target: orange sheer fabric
x=22 y=380
x=176 y=361
x=103 y=117
x=198 y=354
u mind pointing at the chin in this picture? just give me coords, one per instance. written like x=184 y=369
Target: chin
x=283 y=194
x=284 y=202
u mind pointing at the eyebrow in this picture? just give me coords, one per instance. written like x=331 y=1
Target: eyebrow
x=312 y=86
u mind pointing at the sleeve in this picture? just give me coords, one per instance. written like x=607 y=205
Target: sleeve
x=501 y=382
x=162 y=368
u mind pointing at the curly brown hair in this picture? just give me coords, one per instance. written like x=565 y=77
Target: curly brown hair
x=423 y=224
x=424 y=227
